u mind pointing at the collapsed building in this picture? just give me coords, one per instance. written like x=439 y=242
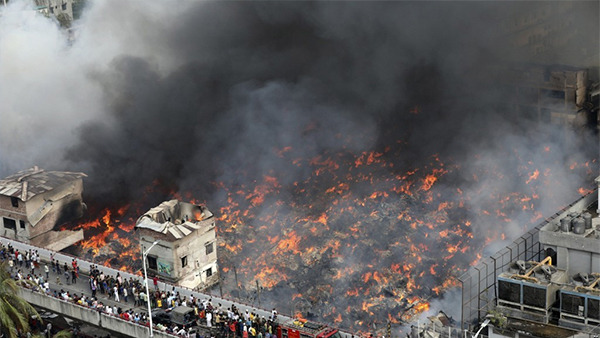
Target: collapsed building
x=34 y=202
x=185 y=253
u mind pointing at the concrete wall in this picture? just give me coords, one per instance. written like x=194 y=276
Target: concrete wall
x=168 y=255
x=194 y=248
x=88 y=315
x=61 y=198
x=17 y=214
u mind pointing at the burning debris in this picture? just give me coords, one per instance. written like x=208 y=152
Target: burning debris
x=386 y=244
x=355 y=169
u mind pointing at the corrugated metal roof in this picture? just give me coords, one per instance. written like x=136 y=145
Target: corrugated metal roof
x=175 y=233
x=35 y=181
x=173 y=218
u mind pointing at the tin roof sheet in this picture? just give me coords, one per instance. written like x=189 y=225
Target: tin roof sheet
x=174 y=218
x=35 y=181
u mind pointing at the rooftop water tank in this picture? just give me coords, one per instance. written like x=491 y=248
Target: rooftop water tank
x=587 y=217
x=565 y=224
x=578 y=226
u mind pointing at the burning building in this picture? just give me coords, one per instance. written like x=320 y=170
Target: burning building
x=34 y=201
x=186 y=252
x=558 y=94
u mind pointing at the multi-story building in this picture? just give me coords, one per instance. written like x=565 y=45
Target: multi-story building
x=544 y=284
x=557 y=94
x=61 y=9
x=186 y=252
x=34 y=202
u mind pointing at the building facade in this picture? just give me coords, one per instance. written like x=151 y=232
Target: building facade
x=186 y=252
x=34 y=202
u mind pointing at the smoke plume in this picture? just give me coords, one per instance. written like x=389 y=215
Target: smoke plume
x=210 y=99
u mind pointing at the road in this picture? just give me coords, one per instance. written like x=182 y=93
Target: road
x=58 y=282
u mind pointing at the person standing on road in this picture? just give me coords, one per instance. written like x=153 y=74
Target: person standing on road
x=116 y=292
x=93 y=286
x=47 y=270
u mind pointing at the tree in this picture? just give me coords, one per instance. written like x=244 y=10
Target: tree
x=14 y=310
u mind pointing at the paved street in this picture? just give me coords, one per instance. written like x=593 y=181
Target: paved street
x=59 y=282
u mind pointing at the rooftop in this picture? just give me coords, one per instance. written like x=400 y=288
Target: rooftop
x=174 y=218
x=26 y=184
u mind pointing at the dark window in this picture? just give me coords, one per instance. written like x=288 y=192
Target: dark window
x=64 y=6
x=152 y=262
x=183 y=261
x=552 y=254
x=593 y=310
x=553 y=94
x=572 y=304
x=14 y=201
x=533 y=296
x=209 y=248
x=510 y=292
x=10 y=223
x=208 y=272
x=22 y=224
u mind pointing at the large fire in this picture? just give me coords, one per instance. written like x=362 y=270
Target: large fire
x=358 y=243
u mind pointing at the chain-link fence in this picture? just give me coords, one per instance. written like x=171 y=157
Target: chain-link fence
x=479 y=283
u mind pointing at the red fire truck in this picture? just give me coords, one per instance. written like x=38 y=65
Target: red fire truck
x=306 y=329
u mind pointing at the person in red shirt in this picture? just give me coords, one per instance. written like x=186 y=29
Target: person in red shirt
x=155 y=280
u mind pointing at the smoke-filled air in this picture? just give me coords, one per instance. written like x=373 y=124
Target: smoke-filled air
x=358 y=156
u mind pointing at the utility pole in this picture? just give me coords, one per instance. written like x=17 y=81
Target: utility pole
x=221 y=284
x=389 y=330
x=237 y=285
x=258 y=293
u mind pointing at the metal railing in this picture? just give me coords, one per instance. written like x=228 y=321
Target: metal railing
x=478 y=285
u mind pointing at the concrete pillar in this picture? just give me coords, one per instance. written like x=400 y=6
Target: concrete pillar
x=597 y=180
x=562 y=256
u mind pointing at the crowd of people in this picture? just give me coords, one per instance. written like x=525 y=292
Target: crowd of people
x=127 y=298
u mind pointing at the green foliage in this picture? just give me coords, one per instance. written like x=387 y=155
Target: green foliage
x=63 y=334
x=14 y=310
x=498 y=318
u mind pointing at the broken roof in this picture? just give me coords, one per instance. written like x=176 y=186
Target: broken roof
x=34 y=181
x=174 y=218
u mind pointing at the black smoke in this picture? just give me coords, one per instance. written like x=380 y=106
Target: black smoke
x=204 y=97
x=251 y=76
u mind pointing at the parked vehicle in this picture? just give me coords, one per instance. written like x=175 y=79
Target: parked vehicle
x=306 y=329
x=182 y=316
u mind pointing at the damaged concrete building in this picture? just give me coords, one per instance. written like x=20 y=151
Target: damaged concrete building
x=186 y=252
x=34 y=202
x=557 y=94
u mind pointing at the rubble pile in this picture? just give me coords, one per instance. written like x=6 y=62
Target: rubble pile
x=361 y=242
